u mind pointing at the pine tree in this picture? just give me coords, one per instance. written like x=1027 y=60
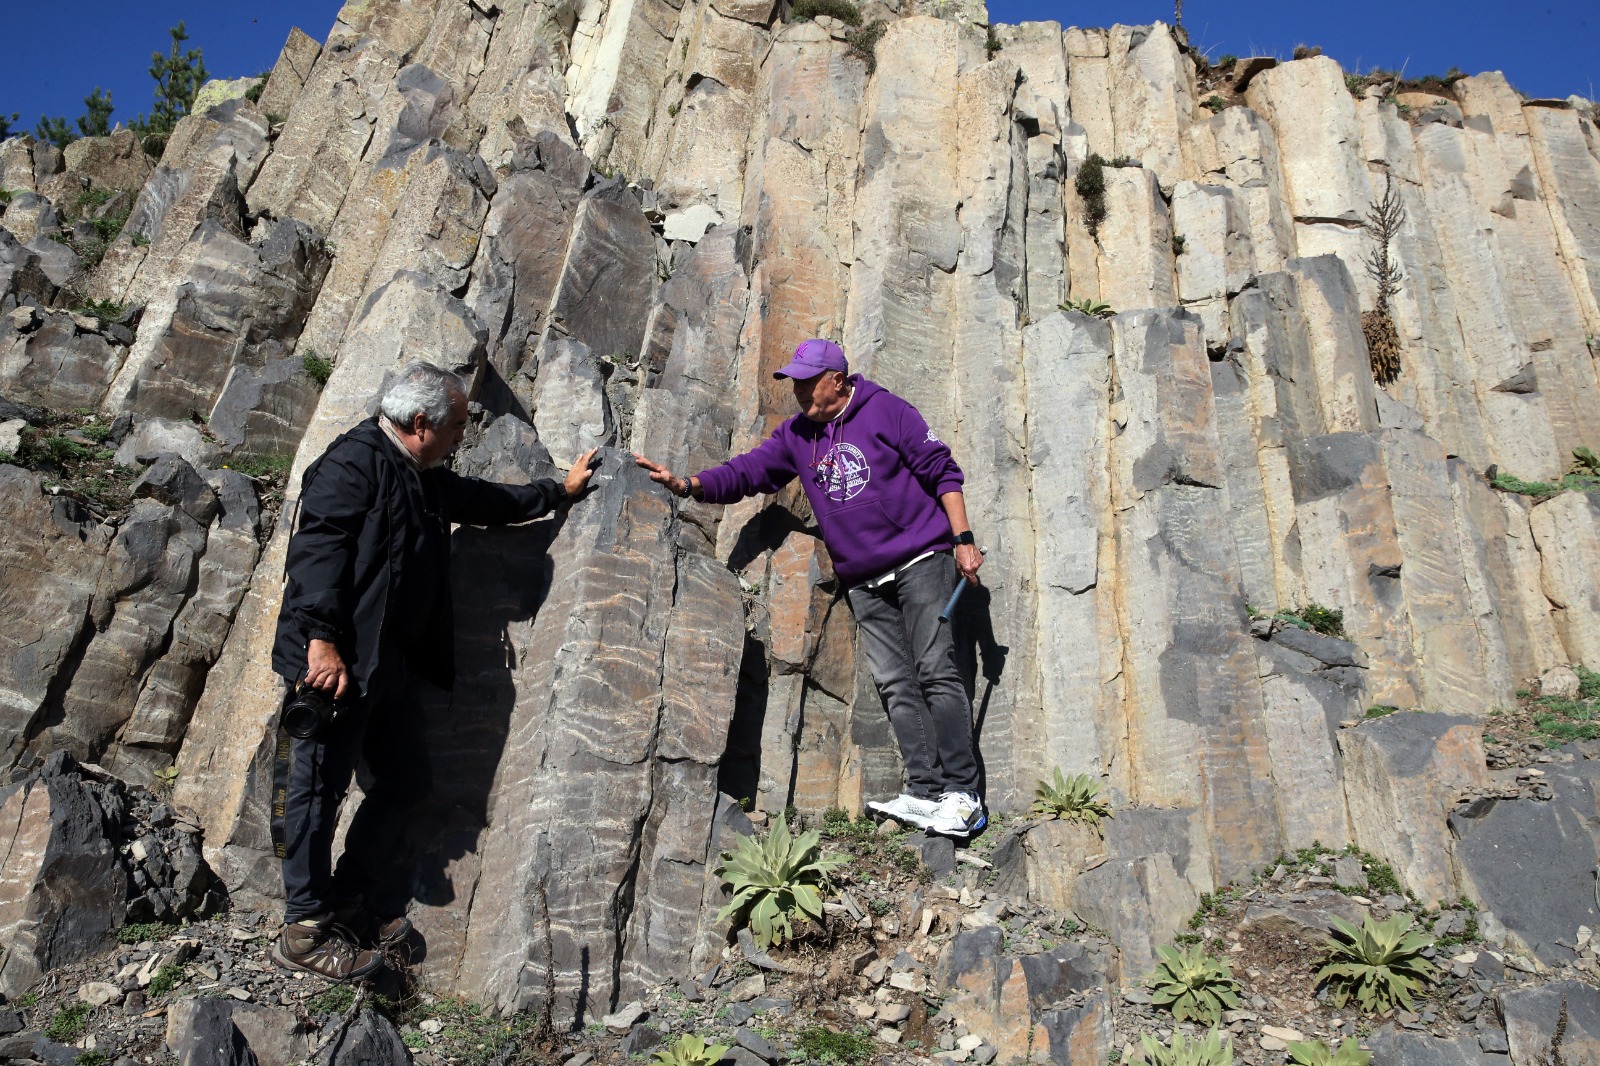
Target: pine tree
x=178 y=76
x=54 y=130
x=5 y=125
x=96 y=122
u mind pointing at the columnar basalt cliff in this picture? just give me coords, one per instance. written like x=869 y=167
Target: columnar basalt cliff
x=617 y=219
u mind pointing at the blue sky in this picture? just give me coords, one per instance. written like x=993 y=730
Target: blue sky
x=57 y=52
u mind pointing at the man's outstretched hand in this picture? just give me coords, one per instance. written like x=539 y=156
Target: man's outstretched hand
x=662 y=476
x=325 y=669
x=578 y=477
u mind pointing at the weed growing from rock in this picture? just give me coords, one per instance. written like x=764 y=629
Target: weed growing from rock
x=776 y=880
x=824 y=1045
x=139 y=932
x=1207 y=1050
x=1313 y=617
x=1090 y=184
x=1317 y=1053
x=318 y=369
x=1543 y=490
x=165 y=980
x=1088 y=307
x=1193 y=985
x=1072 y=799
x=843 y=10
x=1379 y=966
x=863 y=43
x=67 y=1023
x=690 y=1049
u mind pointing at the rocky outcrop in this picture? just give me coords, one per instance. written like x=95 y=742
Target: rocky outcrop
x=617 y=222
x=84 y=854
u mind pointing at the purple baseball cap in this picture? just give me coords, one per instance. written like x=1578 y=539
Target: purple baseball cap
x=813 y=357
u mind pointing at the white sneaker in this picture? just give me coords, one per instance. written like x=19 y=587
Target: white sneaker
x=960 y=814
x=909 y=810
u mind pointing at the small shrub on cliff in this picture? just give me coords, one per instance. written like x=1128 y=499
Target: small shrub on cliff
x=318 y=369
x=1214 y=103
x=1329 y=621
x=690 y=1049
x=1207 y=1050
x=1090 y=184
x=863 y=43
x=843 y=10
x=253 y=94
x=1088 y=307
x=1071 y=799
x=1194 y=986
x=1316 y=1053
x=776 y=879
x=1379 y=965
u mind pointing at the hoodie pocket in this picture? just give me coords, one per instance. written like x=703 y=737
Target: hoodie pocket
x=863 y=524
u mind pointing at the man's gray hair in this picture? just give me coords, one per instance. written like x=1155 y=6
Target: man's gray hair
x=421 y=389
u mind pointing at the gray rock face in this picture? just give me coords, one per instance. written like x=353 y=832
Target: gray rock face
x=652 y=763
x=371 y=1040
x=50 y=558
x=1531 y=1016
x=149 y=572
x=1532 y=863
x=1007 y=1000
x=1403 y=1048
x=1403 y=775
x=1139 y=483
x=56 y=362
x=239 y=305
x=61 y=899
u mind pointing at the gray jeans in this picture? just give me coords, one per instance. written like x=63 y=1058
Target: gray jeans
x=912 y=658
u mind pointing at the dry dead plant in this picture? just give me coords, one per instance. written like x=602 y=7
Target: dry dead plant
x=1383 y=224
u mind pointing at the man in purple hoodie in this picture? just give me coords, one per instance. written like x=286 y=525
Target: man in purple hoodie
x=887 y=496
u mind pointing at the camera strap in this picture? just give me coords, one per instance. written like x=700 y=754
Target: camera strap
x=282 y=763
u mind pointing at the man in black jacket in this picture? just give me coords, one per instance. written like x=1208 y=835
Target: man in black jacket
x=366 y=615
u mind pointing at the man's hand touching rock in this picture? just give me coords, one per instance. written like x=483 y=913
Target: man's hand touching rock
x=578 y=477
x=681 y=487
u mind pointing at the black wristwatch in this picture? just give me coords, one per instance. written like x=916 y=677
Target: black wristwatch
x=965 y=538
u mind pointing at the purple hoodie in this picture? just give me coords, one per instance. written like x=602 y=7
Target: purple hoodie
x=873 y=475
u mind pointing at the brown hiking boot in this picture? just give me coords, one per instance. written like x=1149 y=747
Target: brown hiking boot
x=371 y=930
x=315 y=948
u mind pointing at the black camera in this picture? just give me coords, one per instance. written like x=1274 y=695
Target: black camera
x=309 y=711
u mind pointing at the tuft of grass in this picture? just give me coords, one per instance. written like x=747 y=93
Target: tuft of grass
x=1215 y=103
x=1380 y=710
x=68 y=1023
x=1329 y=621
x=253 y=94
x=820 y=1044
x=991 y=44
x=318 y=369
x=1543 y=490
x=166 y=979
x=261 y=466
x=106 y=310
x=843 y=10
x=139 y=932
x=335 y=999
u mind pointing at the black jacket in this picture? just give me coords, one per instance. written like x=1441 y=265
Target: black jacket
x=368 y=567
